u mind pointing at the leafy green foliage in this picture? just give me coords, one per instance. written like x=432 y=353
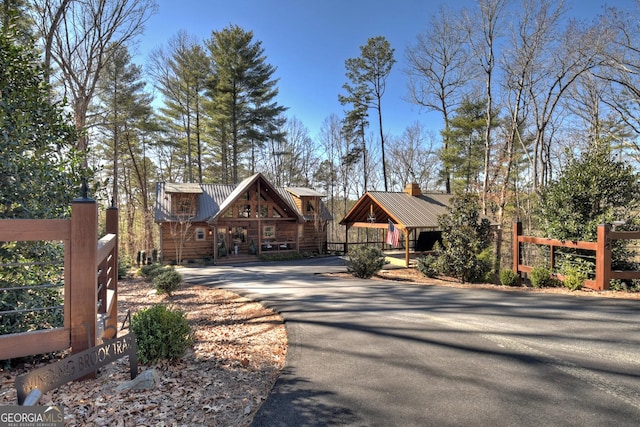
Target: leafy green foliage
x=39 y=176
x=161 y=333
x=21 y=272
x=575 y=271
x=592 y=190
x=621 y=285
x=465 y=236
x=508 y=278
x=283 y=256
x=427 y=265
x=150 y=271
x=39 y=168
x=364 y=261
x=167 y=282
x=541 y=277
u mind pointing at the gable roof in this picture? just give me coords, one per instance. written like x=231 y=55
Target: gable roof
x=214 y=199
x=246 y=185
x=303 y=192
x=287 y=194
x=189 y=188
x=403 y=209
x=210 y=197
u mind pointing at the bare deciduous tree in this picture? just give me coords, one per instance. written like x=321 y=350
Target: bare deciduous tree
x=413 y=158
x=483 y=39
x=439 y=69
x=79 y=36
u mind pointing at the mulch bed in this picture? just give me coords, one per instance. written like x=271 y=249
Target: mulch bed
x=239 y=351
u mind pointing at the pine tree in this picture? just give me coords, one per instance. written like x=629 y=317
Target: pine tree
x=368 y=77
x=464 y=152
x=242 y=95
x=124 y=117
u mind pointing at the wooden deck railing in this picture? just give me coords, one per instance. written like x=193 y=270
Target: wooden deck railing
x=90 y=280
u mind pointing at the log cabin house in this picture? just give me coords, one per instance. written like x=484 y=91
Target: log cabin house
x=236 y=223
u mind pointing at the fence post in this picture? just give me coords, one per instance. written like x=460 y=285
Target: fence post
x=603 y=257
x=84 y=292
x=111 y=226
x=517 y=231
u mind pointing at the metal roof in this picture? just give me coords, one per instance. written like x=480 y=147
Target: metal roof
x=210 y=198
x=324 y=211
x=303 y=191
x=401 y=208
x=190 y=188
x=216 y=198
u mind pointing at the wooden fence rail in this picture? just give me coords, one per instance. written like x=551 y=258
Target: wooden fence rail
x=90 y=272
x=601 y=247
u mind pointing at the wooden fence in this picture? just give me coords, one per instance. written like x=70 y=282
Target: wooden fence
x=601 y=247
x=90 y=280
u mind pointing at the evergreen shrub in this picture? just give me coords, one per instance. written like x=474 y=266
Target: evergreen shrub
x=161 y=334
x=365 y=261
x=150 y=271
x=167 y=282
x=508 y=278
x=427 y=265
x=541 y=277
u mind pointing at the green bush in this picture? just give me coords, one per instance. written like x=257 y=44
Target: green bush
x=575 y=271
x=282 y=256
x=508 y=278
x=427 y=265
x=541 y=277
x=161 y=333
x=466 y=239
x=124 y=265
x=364 y=261
x=150 y=271
x=574 y=280
x=167 y=282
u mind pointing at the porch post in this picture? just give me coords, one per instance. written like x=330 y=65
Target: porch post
x=406 y=241
x=346 y=239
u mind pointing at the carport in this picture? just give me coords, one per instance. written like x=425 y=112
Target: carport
x=411 y=212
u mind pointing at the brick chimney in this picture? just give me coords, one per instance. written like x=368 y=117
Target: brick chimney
x=413 y=189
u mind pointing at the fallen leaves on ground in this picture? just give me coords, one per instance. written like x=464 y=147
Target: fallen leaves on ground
x=239 y=351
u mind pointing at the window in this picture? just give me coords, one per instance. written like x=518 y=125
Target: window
x=244 y=211
x=269 y=231
x=200 y=234
x=264 y=211
x=310 y=207
x=184 y=204
x=276 y=213
x=239 y=234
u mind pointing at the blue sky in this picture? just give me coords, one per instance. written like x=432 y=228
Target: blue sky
x=308 y=42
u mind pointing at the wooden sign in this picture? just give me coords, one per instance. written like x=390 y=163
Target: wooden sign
x=78 y=365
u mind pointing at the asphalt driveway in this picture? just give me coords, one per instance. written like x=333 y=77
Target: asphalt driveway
x=375 y=353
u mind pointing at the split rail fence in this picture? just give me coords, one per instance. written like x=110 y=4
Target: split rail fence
x=601 y=247
x=90 y=280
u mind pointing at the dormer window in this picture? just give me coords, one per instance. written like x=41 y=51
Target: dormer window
x=310 y=207
x=184 y=204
